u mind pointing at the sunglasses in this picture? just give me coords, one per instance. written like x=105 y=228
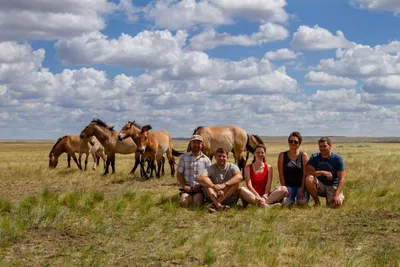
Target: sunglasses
x=293 y=142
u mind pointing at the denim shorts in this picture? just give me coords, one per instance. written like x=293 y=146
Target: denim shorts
x=293 y=191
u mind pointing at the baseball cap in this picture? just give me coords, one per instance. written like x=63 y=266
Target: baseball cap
x=196 y=137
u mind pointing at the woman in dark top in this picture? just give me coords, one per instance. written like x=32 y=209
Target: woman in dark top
x=292 y=171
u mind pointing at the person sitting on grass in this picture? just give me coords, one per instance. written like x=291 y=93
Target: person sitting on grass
x=325 y=175
x=258 y=176
x=292 y=168
x=221 y=182
x=191 y=165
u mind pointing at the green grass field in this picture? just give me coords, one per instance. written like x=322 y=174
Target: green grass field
x=67 y=217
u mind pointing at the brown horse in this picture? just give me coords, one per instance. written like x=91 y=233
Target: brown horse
x=132 y=129
x=72 y=144
x=231 y=138
x=108 y=137
x=156 y=144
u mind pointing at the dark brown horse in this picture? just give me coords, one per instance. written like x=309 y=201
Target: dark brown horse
x=231 y=138
x=72 y=144
x=108 y=137
x=155 y=144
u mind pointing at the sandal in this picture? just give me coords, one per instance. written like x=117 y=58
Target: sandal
x=224 y=208
x=212 y=208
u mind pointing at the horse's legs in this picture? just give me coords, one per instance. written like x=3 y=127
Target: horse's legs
x=69 y=161
x=113 y=163
x=95 y=159
x=159 y=162
x=107 y=164
x=76 y=161
x=162 y=166
x=86 y=161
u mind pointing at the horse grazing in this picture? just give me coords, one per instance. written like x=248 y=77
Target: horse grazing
x=108 y=137
x=231 y=138
x=155 y=144
x=72 y=144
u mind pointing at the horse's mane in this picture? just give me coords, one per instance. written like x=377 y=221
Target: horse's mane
x=198 y=128
x=249 y=147
x=259 y=140
x=103 y=124
x=136 y=124
x=58 y=141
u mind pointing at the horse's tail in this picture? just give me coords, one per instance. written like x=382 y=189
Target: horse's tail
x=177 y=153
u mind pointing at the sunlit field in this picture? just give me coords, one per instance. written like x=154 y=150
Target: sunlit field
x=68 y=217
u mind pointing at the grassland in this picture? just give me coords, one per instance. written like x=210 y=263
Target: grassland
x=66 y=217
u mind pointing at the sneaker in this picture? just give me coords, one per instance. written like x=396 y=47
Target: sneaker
x=273 y=205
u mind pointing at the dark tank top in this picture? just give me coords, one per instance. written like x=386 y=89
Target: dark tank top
x=293 y=170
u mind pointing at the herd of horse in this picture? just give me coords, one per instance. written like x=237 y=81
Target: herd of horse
x=102 y=141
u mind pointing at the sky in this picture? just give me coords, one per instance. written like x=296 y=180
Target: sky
x=327 y=67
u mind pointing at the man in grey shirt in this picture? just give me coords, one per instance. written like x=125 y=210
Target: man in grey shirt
x=221 y=182
x=191 y=165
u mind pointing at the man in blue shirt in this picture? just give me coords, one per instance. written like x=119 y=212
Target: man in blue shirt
x=325 y=175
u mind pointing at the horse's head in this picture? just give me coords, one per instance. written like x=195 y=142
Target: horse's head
x=88 y=131
x=143 y=138
x=53 y=161
x=129 y=130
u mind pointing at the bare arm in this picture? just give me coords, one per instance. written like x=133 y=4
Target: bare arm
x=237 y=178
x=341 y=176
x=280 y=169
x=205 y=181
x=269 y=181
x=181 y=181
x=248 y=181
x=303 y=183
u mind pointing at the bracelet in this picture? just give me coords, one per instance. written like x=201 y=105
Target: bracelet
x=226 y=184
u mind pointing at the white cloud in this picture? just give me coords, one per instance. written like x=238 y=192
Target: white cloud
x=282 y=53
x=265 y=10
x=185 y=14
x=363 y=61
x=131 y=11
x=148 y=49
x=340 y=100
x=44 y=19
x=382 y=90
x=381 y=85
x=326 y=79
x=175 y=15
x=386 y=5
x=209 y=39
x=316 y=38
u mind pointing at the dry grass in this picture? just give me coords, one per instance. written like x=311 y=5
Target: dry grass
x=67 y=217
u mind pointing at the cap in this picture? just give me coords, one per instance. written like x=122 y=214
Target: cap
x=196 y=137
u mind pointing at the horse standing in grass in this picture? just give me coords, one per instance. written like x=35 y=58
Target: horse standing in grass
x=72 y=144
x=156 y=144
x=132 y=129
x=231 y=138
x=108 y=137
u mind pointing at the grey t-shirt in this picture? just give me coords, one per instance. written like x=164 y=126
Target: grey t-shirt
x=220 y=176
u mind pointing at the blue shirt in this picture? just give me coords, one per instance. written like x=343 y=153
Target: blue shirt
x=333 y=164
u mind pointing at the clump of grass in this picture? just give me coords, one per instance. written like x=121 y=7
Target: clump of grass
x=209 y=255
x=5 y=206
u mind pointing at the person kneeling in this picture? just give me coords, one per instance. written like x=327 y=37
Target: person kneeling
x=258 y=177
x=221 y=182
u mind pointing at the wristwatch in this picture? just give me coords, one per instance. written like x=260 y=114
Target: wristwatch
x=226 y=184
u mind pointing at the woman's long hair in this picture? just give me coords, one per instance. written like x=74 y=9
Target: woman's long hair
x=265 y=151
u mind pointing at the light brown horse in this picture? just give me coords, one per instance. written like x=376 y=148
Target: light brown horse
x=108 y=137
x=231 y=138
x=132 y=129
x=156 y=144
x=72 y=144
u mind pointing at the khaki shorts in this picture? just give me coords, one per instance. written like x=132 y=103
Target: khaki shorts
x=328 y=191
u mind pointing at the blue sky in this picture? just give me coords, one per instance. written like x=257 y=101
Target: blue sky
x=270 y=66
